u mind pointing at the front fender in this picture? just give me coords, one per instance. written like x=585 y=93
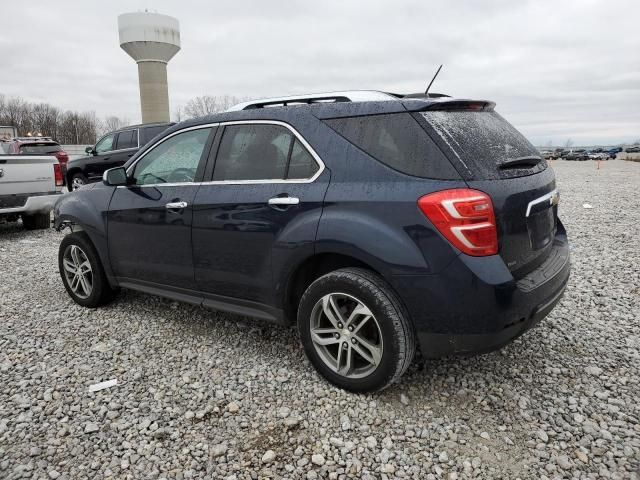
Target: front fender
x=86 y=208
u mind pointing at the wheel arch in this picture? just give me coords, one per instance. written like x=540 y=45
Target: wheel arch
x=310 y=269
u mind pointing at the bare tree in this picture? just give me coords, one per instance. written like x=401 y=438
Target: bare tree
x=208 y=104
x=67 y=127
x=112 y=123
x=568 y=143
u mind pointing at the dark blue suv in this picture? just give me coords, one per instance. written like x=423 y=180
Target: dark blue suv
x=381 y=224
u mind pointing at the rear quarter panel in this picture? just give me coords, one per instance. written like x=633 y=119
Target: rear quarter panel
x=371 y=213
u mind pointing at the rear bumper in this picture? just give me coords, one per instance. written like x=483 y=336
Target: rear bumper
x=476 y=305
x=37 y=203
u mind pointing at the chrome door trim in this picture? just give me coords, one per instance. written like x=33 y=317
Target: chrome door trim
x=552 y=197
x=302 y=140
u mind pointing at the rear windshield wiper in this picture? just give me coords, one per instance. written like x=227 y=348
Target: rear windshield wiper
x=529 y=160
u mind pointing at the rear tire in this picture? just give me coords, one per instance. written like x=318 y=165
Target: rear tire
x=82 y=272
x=355 y=330
x=37 y=221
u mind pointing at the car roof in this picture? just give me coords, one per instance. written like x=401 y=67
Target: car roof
x=328 y=105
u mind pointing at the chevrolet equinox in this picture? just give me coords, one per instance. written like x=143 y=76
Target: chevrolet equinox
x=382 y=224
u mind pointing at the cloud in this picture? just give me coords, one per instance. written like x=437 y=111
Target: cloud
x=555 y=69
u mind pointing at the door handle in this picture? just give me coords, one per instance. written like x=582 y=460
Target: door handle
x=284 y=201
x=176 y=205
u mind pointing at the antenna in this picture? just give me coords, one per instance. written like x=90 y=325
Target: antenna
x=426 y=92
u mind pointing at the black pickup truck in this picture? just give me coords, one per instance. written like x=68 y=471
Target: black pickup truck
x=112 y=150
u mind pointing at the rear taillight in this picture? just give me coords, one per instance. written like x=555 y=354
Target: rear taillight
x=464 y=217
x=62 y=157
x=57 y=174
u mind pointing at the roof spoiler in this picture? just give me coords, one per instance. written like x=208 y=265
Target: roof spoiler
x=452 y=104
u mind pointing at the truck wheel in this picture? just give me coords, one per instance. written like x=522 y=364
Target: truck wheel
x=36 y=222
x=355 y=330
x=81 y=271
x=77 y=181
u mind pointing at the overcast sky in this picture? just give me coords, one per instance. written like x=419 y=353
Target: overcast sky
x=557 y=69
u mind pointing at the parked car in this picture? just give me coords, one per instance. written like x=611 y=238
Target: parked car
x=549 y=155
x=613 y=153
x=597 y=156
x=112 y=150
x=39 y=146
x=380 y=224
x=576 y=155
x=29 y=187
x=634 y=149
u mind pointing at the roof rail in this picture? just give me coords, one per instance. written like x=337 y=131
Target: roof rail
x=328 y=97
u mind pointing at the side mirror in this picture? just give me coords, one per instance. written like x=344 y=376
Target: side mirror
x=90 y=151
x=115 y=177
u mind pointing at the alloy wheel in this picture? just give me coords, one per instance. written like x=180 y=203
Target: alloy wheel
x=346 y=335
x=77 y=271
x=76 y=183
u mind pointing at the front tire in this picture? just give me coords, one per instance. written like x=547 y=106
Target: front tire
x=82 y=272
x=37 y=221
x=77 y=180
x=355 y=331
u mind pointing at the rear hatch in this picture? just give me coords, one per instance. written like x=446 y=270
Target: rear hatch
x=493 y=157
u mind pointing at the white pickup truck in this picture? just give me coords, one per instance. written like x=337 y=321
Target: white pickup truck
x=29 y=187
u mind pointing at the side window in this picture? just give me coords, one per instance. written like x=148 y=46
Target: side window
x=302 y=165
x=147 y=133
x=261 y=152
x=127 y=139
x=105 y=144
x=175 y=160
x=398 y=141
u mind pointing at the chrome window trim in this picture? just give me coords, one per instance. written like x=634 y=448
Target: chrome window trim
x=552 y=197
x=297 y=134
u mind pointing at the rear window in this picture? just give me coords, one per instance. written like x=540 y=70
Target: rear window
x=148 y=133
x=397 y=141
x=40 y=148
x=481 y=141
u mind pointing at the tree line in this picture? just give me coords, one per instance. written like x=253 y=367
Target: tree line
x=70 y=127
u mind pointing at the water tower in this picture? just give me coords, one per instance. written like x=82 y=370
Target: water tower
x=151 y=40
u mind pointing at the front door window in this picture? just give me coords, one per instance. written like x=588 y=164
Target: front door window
x=173 y=161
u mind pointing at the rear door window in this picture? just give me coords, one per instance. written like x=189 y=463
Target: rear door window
x=262 y=152
x=147 y=133
x=127 y=139
x=481 y=141
x=398 y=141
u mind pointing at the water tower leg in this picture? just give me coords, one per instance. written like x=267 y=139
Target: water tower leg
x=154 y=96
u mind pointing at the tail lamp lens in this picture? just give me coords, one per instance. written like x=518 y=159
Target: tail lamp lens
x=57 y=174
x=62 y=157
x=465 y=218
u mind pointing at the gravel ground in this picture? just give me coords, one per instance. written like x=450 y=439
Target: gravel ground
x=208 y=395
